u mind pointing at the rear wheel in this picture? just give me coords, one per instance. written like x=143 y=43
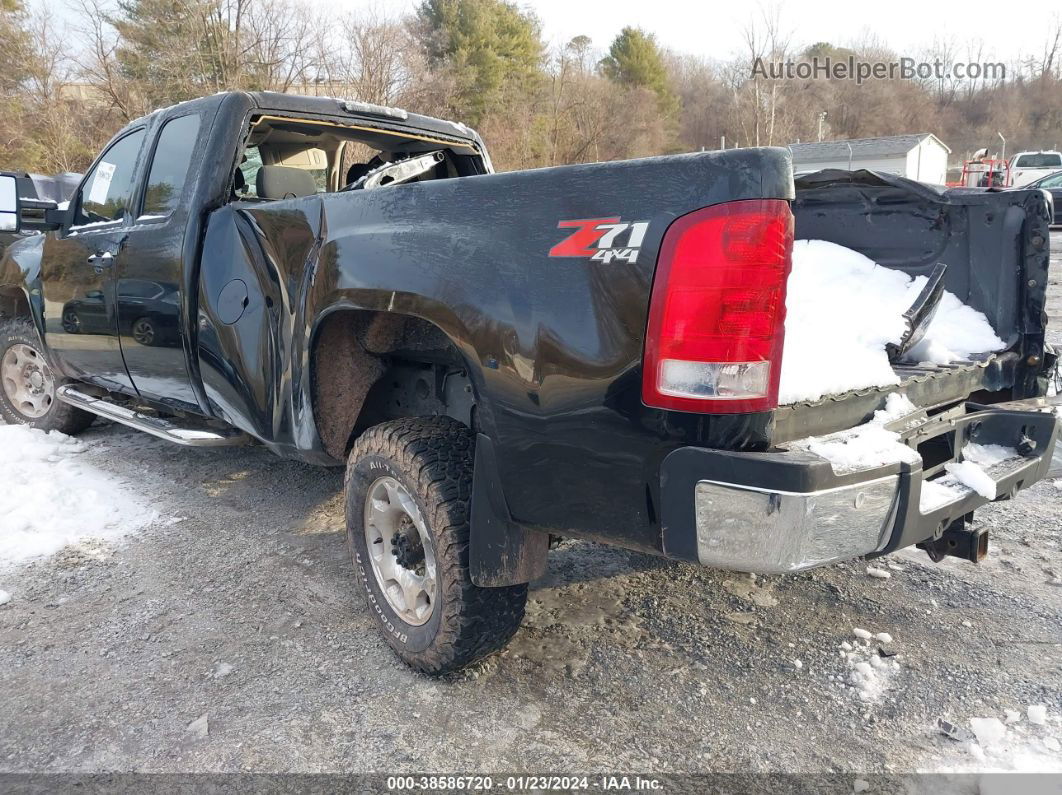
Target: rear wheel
x=409 y=485
x=28 y=384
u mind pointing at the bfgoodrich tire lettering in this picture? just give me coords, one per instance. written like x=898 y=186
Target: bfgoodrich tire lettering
x=432 y=459
x=18 y=336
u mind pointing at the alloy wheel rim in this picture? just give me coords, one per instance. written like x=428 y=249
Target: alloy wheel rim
x=143 y=332
x=27 y=381
x=400 y=551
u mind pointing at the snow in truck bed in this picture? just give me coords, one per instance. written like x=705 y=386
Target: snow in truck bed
x=843 y=308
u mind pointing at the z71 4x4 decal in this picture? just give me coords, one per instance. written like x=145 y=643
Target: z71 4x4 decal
x=602 y=239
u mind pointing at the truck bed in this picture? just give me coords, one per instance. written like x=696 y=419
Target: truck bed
x=926 y=385
x=995 y=246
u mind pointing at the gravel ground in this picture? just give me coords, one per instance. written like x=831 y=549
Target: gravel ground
x=239 y=605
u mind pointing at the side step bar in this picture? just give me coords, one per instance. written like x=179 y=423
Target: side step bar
x=156 y=426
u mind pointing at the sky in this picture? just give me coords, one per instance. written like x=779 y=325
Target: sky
x=713 y=29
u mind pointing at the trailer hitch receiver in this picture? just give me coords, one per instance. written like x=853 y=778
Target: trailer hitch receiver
x=959 y=540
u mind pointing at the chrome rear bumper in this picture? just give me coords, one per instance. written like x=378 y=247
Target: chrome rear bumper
x=787 y=511
x=751 y=529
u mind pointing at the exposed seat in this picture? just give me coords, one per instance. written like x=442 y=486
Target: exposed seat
x=282 y=182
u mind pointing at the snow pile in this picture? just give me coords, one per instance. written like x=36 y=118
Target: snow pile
x=965 y=476
x=938 y=493
x=956 y=331
x=869 y=673
x=50 y=499
x=897 y=406
x=842 y=309
x=865 y=446
x=973 y=477
x=1013 y=745
x=872 y=445
x=988 y=455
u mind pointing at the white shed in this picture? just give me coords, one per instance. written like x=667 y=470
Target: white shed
x=920 y=156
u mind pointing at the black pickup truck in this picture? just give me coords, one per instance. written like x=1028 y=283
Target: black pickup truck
x=590 y=350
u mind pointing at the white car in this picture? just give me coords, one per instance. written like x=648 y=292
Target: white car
x=1026 y=167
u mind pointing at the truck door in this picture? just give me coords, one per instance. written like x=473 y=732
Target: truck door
x=150 y=266
x=77 y=270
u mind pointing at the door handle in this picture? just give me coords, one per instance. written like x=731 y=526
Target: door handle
x=101 y=260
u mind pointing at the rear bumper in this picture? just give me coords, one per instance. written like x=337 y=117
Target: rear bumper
x=789 y=510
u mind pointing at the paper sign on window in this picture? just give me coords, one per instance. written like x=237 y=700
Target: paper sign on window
x=101 y=183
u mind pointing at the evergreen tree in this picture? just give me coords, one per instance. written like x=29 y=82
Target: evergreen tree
x=634 y=60
x=492 y=49
x=16 y=50
x=173 y=49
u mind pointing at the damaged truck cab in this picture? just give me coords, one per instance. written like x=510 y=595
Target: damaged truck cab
x=589 y=350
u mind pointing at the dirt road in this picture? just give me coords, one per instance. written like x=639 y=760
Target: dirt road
x=239 y=605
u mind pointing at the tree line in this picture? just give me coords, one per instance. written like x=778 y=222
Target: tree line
x=65 y=89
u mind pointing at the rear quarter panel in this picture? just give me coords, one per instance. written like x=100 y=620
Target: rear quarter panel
x=553 y=344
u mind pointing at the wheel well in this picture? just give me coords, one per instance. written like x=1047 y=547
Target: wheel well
x=369 y=367
x=13 y=303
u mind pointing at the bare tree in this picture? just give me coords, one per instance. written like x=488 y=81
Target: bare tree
x=98 y=61
x=1049 y=61
x=275 y=50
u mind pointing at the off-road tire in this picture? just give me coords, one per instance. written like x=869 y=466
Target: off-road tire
x=61 y=416
x=432 y=457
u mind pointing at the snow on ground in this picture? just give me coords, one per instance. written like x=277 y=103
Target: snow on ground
x=869 y=671
x=52 y=498
x=1026 y=742
x=843 y=307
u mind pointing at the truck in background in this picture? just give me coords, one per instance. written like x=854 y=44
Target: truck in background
x=1025 y=168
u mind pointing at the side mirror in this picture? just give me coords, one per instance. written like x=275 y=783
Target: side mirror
x=25 y=215
x=8 y=203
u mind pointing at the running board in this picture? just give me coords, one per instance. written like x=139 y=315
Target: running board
x=156 y=426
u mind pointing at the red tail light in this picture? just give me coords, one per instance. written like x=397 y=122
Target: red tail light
x=717 y=312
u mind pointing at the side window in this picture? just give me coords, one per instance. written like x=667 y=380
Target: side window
x=247 y=178
x=1052 y=182
x=1039 y=161
x=169 y=166
x=106 y=193
x=135 y=288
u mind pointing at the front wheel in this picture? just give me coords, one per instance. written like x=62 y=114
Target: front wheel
x=28 y=384
x=408 y=489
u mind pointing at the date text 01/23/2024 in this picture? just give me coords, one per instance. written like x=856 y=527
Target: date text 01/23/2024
x=604 y=783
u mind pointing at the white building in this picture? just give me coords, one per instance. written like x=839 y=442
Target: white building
x=920 y=156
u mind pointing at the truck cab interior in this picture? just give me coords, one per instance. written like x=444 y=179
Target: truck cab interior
x=285 y=158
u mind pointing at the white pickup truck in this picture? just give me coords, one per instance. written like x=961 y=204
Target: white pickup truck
x=1027 y=167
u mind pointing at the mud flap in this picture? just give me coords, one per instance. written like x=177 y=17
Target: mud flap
x=500 y=552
